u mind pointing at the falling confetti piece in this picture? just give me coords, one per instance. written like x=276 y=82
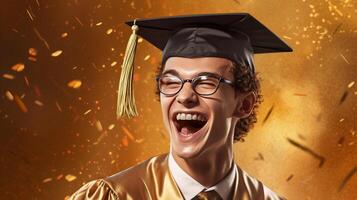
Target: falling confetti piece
x=287 y=37
x=86 y=112
x=113 y=64
x=125 y=141
x=27 y=81
x=347 y=178
x=63 y=35
x=99 y=23
x=33 y=59
x=109 y=31
x=9 y=95
x=32 y=52
x=74 y=84
x=29 y=14
x=139 y=140
x=59 y=177
x=111 y=126
x=342 y=119
x=351 y=84
x=56 y=53
x=260 y=157
x=343 y=97
x=268 y=114
x=140 y=40
x=46 y=180
x=18 y=67
x=39 y=103
x=127 y=132
x=20 y=104
x=147 y=57
x=8 y=76
x=99 y=126
x=307 y=150
x=58 y=106
x=289 y=178
x=41 y=38
x=344 y=58
x=70 y=177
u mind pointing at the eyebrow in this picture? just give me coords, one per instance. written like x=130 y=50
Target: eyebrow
x=175 y=73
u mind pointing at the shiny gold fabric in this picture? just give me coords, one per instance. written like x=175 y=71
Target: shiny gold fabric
x=152 y=180
x=210 y=195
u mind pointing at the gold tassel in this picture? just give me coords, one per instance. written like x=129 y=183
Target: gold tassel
x=126 y=101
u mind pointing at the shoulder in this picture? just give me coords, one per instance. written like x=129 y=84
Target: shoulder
x=256 y=189
x=132 y=181
x=139 y=174
x=96 y=189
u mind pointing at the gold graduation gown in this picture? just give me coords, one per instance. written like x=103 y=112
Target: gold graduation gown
x=152 y=180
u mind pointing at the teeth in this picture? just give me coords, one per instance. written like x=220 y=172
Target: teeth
x=183 y=116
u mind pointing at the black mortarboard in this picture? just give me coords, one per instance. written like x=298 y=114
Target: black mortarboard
x=235 y=36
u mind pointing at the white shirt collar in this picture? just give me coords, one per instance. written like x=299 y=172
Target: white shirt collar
x=189 y=187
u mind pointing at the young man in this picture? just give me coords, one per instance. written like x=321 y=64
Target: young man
x=208 y=94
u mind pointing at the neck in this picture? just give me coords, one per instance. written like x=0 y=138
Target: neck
x=208 y=168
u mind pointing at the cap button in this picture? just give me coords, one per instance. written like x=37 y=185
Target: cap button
x=135 y=27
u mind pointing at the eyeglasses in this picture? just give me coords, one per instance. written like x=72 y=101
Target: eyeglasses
x=203 y=85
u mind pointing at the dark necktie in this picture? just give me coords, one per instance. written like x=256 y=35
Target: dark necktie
x=208 y=195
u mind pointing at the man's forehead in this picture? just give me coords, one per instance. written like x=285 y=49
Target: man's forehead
x=197 y=66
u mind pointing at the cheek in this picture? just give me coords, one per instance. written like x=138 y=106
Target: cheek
x=165 y=107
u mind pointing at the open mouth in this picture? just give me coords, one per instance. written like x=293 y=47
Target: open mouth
x=189 y=124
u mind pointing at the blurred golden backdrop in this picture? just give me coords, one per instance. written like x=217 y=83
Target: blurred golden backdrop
x=60 y=65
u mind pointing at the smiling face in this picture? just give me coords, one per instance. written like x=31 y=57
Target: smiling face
x=199 y=124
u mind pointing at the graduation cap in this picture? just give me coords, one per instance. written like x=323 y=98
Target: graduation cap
x=234 y=36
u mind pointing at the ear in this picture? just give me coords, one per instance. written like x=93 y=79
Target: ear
x=245 y=104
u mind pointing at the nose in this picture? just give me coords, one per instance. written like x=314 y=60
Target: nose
x=187 y=96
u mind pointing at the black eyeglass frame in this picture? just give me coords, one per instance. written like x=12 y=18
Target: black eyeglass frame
x=192 y=81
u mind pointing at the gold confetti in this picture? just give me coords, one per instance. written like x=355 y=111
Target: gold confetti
x=342 y=119
x=59 y=176
x=86 y=112
x=109 y=31
x=58 y=106
x=18 y=67
x=125 y=141
x=111 y=126
x=74 y=84
x=139 y=140
x=27 y=81
x=99 y=126
x=127 y=132
x=46 y=180
x=140 y=40
x=113 y=64
x=39 y=103
x=9 y=95
x=32 y=52
x=344 y=58
x=63 y=35
x=99 y=23
x=56 y=53
x=70 y=177
x=20 y=104
x=8 y=76
x=287 y=37
x=32 y=59
x=147 y=57
x=351 y=84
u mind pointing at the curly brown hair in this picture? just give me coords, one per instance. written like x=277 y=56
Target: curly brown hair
x=244 y=81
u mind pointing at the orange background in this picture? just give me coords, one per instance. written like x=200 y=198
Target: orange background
x=56 y=136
